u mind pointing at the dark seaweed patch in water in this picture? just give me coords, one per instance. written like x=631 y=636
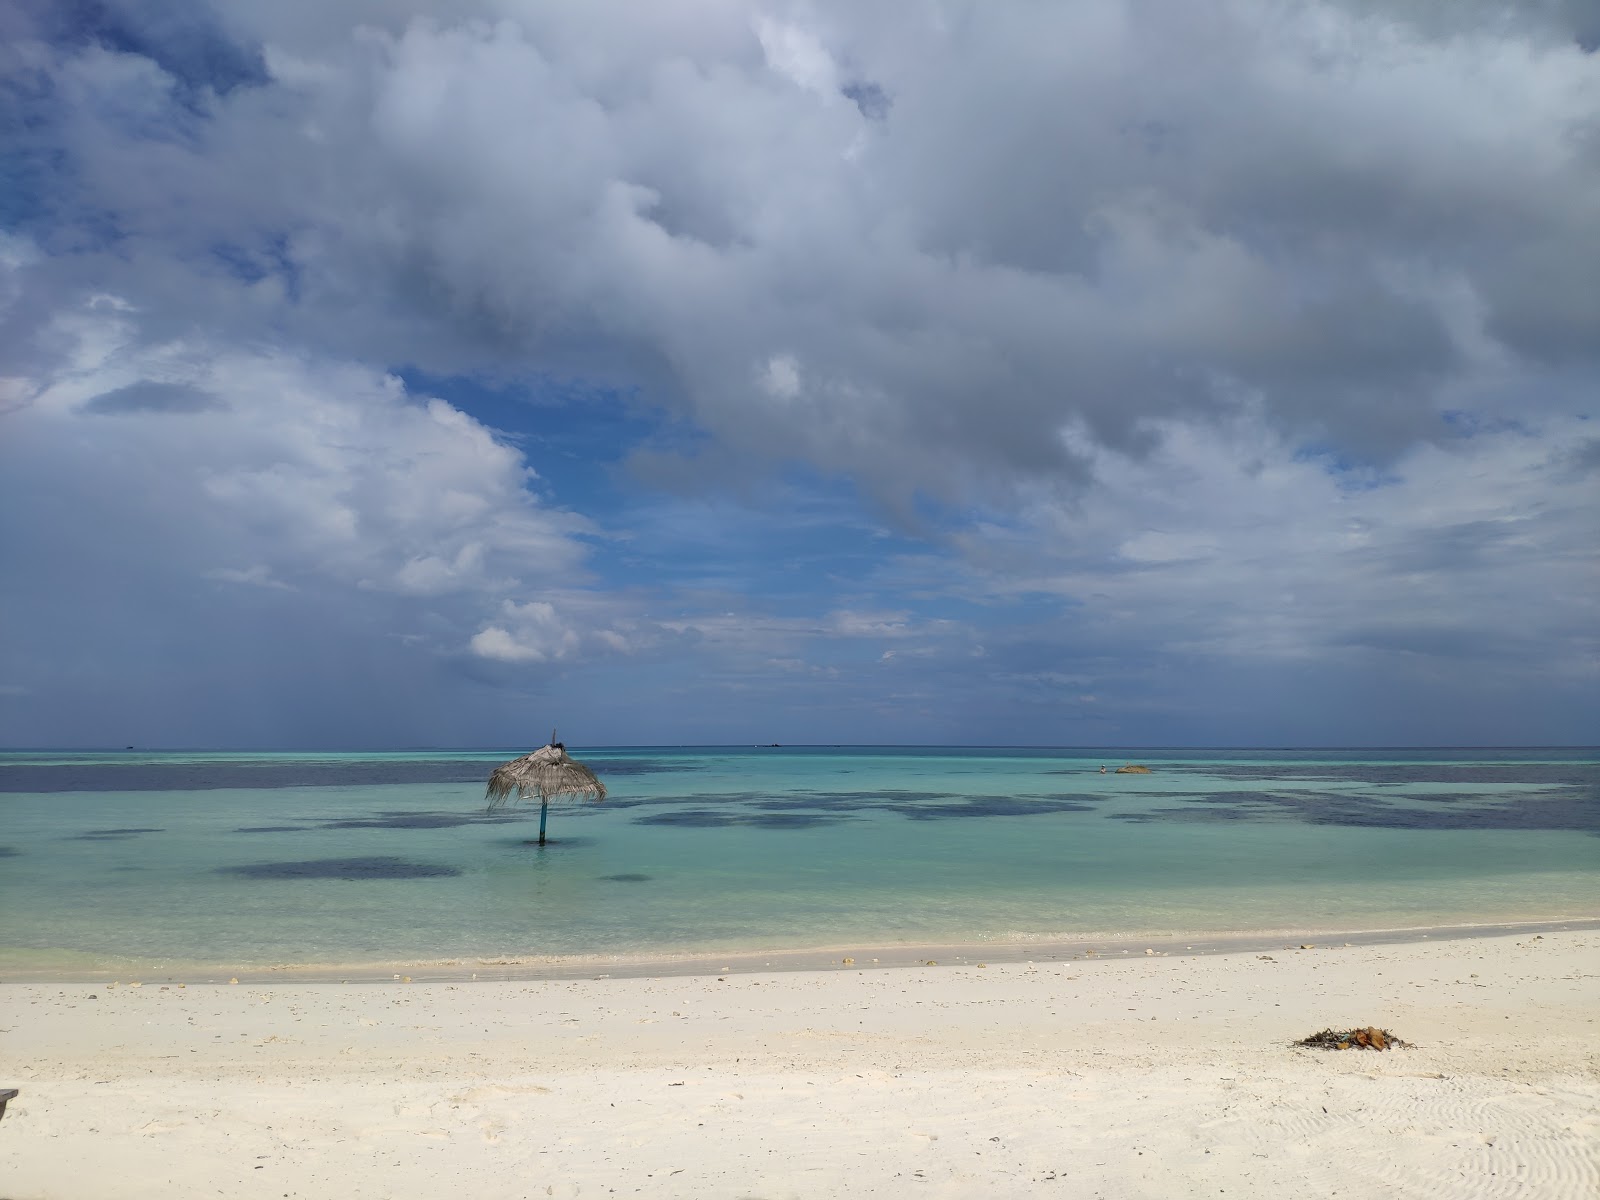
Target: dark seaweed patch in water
x=120 y=832
x=146 y=776
x=989 y=806
x=705 y=819
x=787 y=810
x=342 y=868
x=1560 y=808
x=1219 y=806
x=1192 y=816
x=783 y=801
x=9 y=852
x=109 y=835
x=688 y=798
x=421 y=820
x=1573 y=808
x=1543 y=774
x=1211 y=797
x=626 y=877
x=641 y=766
x=938 y=806
x=203 y=776
x=271 y=828
x=789 y=820
x=697 y=817
x=887 y=798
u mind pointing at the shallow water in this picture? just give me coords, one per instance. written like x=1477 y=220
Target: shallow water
x=254 y=859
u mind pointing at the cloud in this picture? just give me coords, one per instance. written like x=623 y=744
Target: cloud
x=867 y=624
x=256 y=576
x=797 y=54
x=754 y=630
x=1224 y=557
x=781 y=378
x=1336 y=211
x=151 y=396
x=337 y=491
x=1226 y=332
x=540 y=635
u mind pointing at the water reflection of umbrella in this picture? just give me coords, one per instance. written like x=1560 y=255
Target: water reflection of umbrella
x=545 y=773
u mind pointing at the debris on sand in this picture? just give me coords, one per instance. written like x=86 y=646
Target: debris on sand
x=1370 y=1038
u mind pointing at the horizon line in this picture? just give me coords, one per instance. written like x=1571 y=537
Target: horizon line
x=217 y=749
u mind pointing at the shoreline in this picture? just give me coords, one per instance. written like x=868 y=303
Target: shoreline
x=843 y=957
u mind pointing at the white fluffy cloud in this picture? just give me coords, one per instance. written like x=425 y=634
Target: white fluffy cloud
x=285 y=467
x=540 y=635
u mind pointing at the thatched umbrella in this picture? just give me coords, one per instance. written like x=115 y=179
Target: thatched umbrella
x=545 y=773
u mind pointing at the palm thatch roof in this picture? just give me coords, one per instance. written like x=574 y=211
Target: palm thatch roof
x=546 y=773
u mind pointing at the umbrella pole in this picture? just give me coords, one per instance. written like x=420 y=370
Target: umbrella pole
x=544 y=811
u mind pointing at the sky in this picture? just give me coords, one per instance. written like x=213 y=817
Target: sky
x=391 y=373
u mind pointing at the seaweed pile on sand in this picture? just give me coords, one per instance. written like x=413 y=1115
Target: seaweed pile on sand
x=1370 y=1038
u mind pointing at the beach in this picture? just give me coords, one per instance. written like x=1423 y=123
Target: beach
x=866 y=971
x=762 y=600
x=1161 y=1074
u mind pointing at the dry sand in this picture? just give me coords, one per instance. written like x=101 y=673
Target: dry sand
x=1149 y=1076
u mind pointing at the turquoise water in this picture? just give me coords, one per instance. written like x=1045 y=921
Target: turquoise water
x=254 y=859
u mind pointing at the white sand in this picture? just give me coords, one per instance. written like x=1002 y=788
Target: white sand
x=1142 y=1077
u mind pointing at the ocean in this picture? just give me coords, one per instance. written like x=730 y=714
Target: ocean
x=188 y=861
